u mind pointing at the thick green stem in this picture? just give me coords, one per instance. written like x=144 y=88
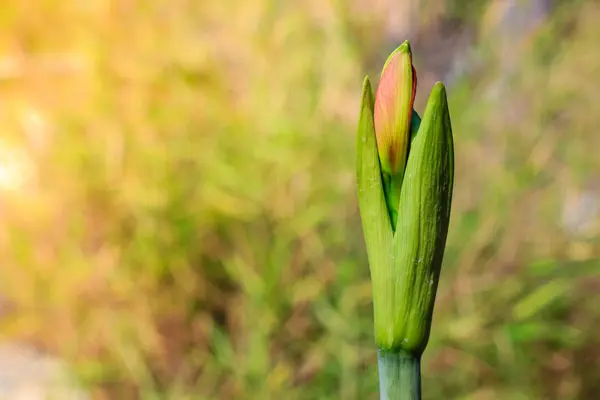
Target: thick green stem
x=399 y=376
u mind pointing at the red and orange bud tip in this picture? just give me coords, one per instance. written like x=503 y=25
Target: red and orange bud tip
x=393 y=109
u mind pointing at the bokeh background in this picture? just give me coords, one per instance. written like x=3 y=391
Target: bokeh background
x=178 y=216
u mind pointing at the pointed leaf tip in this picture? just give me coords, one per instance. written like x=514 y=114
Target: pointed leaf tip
x=439 y=86
x=367 y=93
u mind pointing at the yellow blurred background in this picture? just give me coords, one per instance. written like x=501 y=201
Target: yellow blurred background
x=178 y=214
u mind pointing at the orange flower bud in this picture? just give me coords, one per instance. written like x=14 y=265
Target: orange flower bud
x=393 y=109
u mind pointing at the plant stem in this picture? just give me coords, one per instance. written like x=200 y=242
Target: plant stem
x=391 y=190
x=399 y=375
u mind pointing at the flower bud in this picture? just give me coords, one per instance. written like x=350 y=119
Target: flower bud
x=393 y=109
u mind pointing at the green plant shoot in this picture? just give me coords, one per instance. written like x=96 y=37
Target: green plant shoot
x=405 y=177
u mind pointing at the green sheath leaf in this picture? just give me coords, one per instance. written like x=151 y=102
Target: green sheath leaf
x=373 y=210
x=422 y=227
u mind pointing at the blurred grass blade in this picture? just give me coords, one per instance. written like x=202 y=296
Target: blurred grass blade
x=540 y=298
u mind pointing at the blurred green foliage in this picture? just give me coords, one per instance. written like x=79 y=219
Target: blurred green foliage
x=185 y=225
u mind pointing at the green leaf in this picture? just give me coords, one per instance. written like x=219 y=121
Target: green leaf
x=422 y=227
x=376 y=224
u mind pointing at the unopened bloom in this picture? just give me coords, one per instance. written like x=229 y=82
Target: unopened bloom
x=393 y=109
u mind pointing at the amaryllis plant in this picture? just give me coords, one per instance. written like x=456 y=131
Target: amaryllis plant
x=405 y=178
